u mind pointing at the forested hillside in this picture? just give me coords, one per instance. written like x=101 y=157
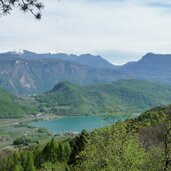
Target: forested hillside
x=134 y=145
x=8 y=106
x=121 y=96
x=125 y=96
x=13 y=107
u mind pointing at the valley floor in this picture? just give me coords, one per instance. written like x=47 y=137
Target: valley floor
x=11 y=129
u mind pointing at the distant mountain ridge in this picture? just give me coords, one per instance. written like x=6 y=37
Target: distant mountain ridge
x=85 y=59
x=25 y=72
x=31 y=73
x=152 y=67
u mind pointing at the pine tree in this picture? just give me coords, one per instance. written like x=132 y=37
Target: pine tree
x=50 y=151
x=78 y=145
x=32 y=6
x=30 y=164
x=18 y=167
x=53 y=151
x=38 y=156
x=60 y=152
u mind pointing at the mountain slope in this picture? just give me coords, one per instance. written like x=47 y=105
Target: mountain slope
x=94 y=62
x=30 y=73
x=25 y=72
x=152 y=67
x=154 y=116
x=121 y=96
x=8 y=106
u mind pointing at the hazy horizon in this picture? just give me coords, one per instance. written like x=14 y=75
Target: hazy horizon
x=118 y=30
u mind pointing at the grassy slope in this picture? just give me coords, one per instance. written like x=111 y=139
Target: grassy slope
x=12 y=107
x=8 y=106
x=123 y=96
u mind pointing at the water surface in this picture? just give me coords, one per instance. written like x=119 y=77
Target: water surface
x=77 y=123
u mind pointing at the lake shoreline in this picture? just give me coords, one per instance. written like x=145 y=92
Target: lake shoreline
x=73 y=124
x=12 y=128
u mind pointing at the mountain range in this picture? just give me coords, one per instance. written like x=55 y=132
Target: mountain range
x=30 y=73
x=26 y=73
x=152 y=67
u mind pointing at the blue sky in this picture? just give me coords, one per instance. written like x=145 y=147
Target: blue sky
x=119 y=30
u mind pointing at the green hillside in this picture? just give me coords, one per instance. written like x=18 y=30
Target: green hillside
x=121 y=96
x=143 y=143
x=8 y=106
x=155 y=116
x=139 y=144
x=13 y=107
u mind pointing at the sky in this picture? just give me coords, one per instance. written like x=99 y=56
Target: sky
x=118 y=30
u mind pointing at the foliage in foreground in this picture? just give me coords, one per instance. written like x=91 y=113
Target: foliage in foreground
x=138 y=144
x=110 y=149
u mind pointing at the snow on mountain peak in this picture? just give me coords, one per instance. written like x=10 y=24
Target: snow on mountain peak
x=17 y=51
x=55 y=52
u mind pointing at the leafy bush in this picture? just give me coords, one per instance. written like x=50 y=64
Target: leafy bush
x=21 y=141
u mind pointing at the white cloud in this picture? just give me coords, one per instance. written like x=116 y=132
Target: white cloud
x=129 y=27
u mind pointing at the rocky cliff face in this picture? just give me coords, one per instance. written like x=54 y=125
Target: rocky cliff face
x=30 y=73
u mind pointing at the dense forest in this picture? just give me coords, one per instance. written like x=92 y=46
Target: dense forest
x=139 y=144
x=134 y=96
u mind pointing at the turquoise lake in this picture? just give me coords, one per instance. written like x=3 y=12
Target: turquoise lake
x=77 y=123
